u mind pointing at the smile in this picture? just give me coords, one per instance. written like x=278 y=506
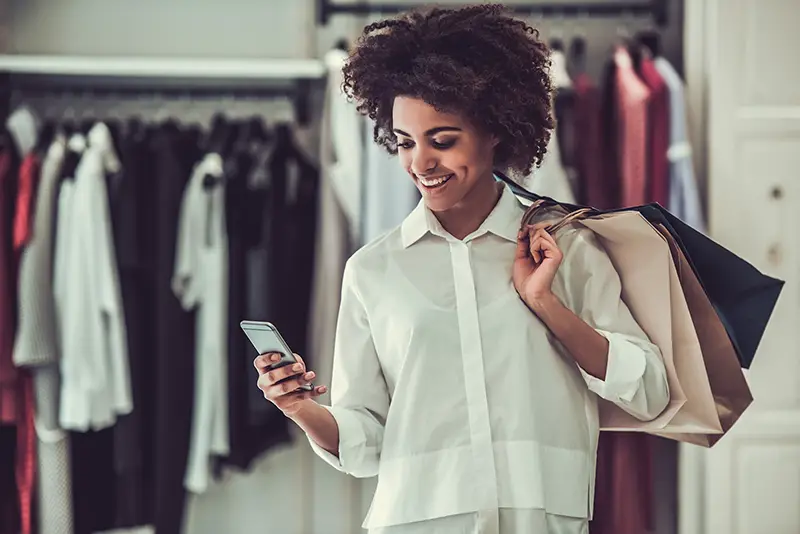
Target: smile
x=434 y=182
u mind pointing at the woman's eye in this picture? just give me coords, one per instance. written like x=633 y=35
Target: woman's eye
x=405 y=144
x=444 y=144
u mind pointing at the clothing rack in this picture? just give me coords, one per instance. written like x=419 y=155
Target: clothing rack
x=657 y=9
x=293 y=79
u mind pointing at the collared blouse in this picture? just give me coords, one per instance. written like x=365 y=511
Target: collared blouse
x=458 y=397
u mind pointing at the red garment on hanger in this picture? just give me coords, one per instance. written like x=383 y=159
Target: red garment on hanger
x=633 y=108
x=16 y=386
x=592 y=188
x=8 y=372
x=624 y=480
x=26 y=200
x=26 y=435
x=658 y=134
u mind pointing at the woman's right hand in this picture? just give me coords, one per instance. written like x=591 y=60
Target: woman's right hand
x=280 y=385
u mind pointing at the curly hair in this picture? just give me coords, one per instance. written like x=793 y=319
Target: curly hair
x=474 y=61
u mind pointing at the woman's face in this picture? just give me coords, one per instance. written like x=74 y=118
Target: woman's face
x=444 y=154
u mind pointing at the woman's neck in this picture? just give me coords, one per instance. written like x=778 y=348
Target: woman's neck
x=468 y=215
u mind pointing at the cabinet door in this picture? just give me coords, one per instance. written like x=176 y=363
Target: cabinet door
x=751 y=478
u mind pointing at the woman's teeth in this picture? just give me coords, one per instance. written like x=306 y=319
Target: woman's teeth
x=435 y=182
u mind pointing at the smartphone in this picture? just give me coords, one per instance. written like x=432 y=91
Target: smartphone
x=266 y=338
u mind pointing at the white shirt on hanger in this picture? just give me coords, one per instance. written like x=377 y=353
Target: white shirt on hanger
x=456 y=395
x=201 y=282
x=346 y=143
x=95 y=371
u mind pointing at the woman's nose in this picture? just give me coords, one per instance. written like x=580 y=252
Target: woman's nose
x=423 y=163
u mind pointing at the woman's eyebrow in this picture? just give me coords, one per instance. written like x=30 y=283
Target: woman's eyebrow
x=432 y=131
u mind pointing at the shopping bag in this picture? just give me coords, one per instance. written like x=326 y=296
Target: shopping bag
x=729 y=387
x=743 y=297
x=652 y=291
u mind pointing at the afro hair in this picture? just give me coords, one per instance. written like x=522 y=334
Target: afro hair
x=475 y=61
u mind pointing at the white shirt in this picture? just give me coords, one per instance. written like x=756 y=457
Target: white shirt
x=449 y=389
x=201 y=282
x=95 y=386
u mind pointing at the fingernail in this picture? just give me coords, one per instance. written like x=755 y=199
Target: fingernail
x=297 y=367
x=323 y=389
x=275 y=357
x=309 y=375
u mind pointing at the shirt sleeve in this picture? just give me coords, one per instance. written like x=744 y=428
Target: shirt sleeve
x=636 y=379
x=359 y=394
x=185 y=284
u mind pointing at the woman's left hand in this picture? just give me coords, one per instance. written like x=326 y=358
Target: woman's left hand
x=535 y=265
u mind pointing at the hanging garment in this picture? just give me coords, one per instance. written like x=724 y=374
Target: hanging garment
x=26 y=199
x=175 y=153
x=335 y=236
x=343 y=155
x=131 y=193
x=35 y=348
x=623 y=480
x=292 y=202
x=389 y=192
x=406 y=336
x=95 y=373
x=261 y=424
x=684 y=198
x=201 y=283
x=26 y=438
x=8 y=373
x=550 y=179
x=14 y=487
x=658 y=133
x=632 y=108
x=610 y=136
x=591 y=189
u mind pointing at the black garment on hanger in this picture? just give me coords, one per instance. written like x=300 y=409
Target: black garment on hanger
x=271 y=227
x=174 y=155
x=131 y=196
x=245 y=213
x=9 y=495
x=293 y=203
x=610 y=129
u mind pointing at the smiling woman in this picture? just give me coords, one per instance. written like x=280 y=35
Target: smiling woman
x=470 y=353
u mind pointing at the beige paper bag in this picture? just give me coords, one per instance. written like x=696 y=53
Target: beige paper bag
x=652 y=290
x=729 y=387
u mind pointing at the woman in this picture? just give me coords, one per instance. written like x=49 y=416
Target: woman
x=470 y=355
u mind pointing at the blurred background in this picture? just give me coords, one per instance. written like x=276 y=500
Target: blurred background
x=169 y=168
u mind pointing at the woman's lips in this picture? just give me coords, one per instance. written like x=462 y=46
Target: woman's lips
x=434 y=182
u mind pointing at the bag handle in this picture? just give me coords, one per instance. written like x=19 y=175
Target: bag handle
x=574 y=213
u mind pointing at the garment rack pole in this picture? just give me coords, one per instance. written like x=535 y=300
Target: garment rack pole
x=655 y=8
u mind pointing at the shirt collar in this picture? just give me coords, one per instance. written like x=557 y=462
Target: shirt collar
x=503 y=221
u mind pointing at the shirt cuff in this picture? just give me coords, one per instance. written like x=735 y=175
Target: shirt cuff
x=352 y=441
x=624 y=370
